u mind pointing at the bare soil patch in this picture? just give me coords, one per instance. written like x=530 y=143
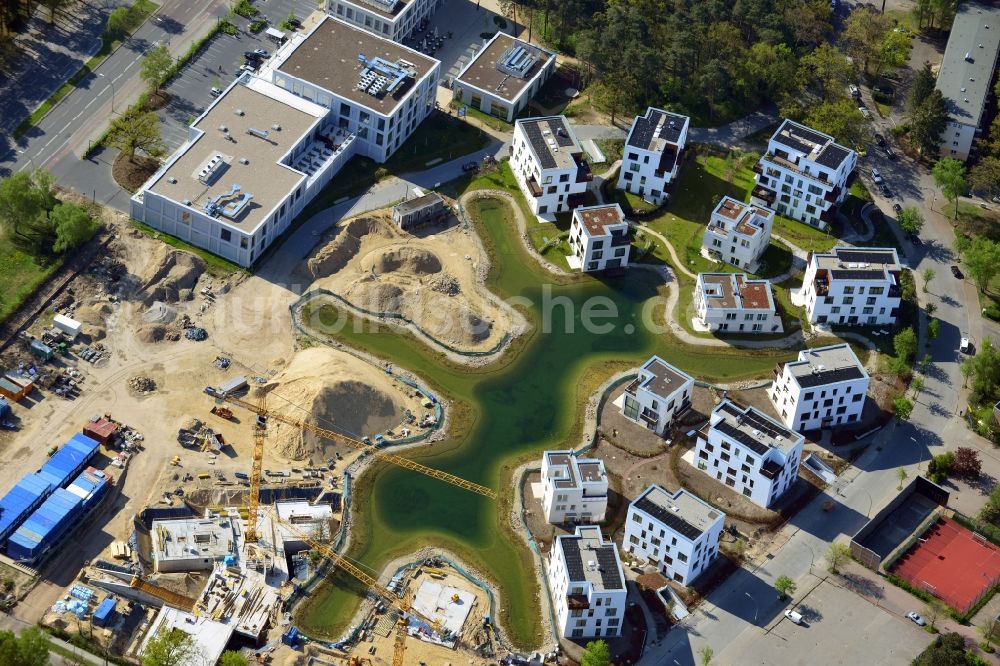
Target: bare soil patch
x=131 y=173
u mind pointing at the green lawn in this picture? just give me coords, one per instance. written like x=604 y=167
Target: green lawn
x=803 y=235
x=613 y=149
x=20 y=274
x=632 y=204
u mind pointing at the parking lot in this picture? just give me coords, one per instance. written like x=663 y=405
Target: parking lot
x=216 y=66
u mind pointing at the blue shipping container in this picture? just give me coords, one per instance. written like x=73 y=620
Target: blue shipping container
x=44 y=527
x=105 y=613
x=90 y=488
x=22 y=499
x=4 y=408
x=68 y=461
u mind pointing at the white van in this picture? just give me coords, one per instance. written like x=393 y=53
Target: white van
x=793 y=616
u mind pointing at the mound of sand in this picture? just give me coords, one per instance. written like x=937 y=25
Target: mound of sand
x=168 y=273
x=408 y=260
x=93 y=313
x=378 y=297
x=150 y=333
x=334 y=255
x=338 y=391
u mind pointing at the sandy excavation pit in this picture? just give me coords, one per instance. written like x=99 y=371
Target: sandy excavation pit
x=434 y=280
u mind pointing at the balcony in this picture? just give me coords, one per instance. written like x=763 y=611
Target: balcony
x=718 y=230
x=821 y=286
x=533 y=187
x=631 y=388
x=771 y=469
x=833 y=195
x=758 y=168
x=764 y=194
x=583 y=174
x=681 y=408
x=778 y=369
x=792 y=166
x=829 y=216
x=618 y=240
x=648 y=417
x=577 y=602
x=895 y=291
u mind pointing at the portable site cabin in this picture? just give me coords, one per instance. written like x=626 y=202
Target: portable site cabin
x=15 y=387
x=41 y=350
x=70 y=327
x=233 y=385
x=422 y=210
x=101 y=429
x=275 y=35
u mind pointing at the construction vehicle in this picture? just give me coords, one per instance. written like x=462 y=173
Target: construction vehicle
x=223 y=412
x=336 y=437
x=176 y=460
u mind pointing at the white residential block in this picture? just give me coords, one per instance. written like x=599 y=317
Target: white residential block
x=547 y=161
x=587 y=585
x=738 y=233
x=731 y=303
x=677 y=533
x=391 y=19
x=850 y=286
x=653 y=153
x=599 y=238
x=825 y=387
x=503 y=77
x=750 y=452
x=804 y=174
x=573 y=489
x=658 y=395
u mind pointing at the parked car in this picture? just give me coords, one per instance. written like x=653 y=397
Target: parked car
x=880 y=140
x=470 y=166
x=886 y=192
x=964 y=346
x=865 y=113
x=262 y=53
x=216 y=91
x=252 y=55
x=793 y=616
x=243 y=476
x=919 y=621
x=855 y=92
x=876 y=176
x=896 y=208
x=248 y=68
x=956 y=271
x=889 y=153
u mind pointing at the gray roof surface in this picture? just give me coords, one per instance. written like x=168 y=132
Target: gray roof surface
x=540 y=131
x=965 y=84
x=754 y=429
x=430 y=199
x=682 y=512
x=665 y=378
x=588 y=543
x=482 y=71
x=820 y=366
x=656 y=124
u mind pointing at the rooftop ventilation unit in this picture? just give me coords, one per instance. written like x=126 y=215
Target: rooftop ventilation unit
x=186 y=202
x=260 y=134
x=383 y=5
x=171 y=180
x=239 y=112
x=276 y=127
x=968 y=56
x=244 y=160
x=211 y=169
x=381 y=76
x=517 y=60
x=223 y=129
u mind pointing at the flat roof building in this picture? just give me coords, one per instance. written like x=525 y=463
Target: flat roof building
x=733 y=303
x=824 y=388
x=852 y=286
x=503 y=76
x=573 y=489
x=547 y=161
x=653 y=153
x=391 y=19
x=658 y=396
x=965 y=78
x=598 y=236
x=738 y=233
x=587 y=585
x=193 y=544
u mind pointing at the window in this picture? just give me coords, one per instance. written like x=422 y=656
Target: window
x=682 y=557
x=564 y=178
x=226 y=235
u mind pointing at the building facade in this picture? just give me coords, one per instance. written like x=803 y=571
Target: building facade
x=503 y=76
x=824 y=388
x=658 y=396
x=750 y=452
x=598 y=237
x=804 y=175
x=587 y=585
x=852 y=286
x=654 y=149
x=678 y=533
x=965 y=77
x=731 y=303
x=547 y=161
x=738 y=233
x=574 y=490
x=391 y=19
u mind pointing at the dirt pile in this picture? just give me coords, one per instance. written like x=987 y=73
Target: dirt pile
x=335 y=390
x=446 y=284
x=151 y=333
x=378 y=297
x=93 y=316
x=159 y=313
x=332 y=256
x=141 y=384
x=170 y=275
x=409 y=260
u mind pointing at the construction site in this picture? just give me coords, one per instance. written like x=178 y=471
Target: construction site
x=224 y=498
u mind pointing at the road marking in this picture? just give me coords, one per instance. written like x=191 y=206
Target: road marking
x=90 y=102
x=66 y=127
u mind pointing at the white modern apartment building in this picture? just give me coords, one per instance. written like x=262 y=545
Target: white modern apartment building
x=587 y=585
x=599 y=238
x=738 y=233
x=547 y=161
x=965 y=78
x=852 y=286
x=825 y=387
x=271 y=142
x=653 y=152
x=731 y=303
x=677 y=533
x=503 y=76
x=804 y=175
x=392 y=19
x=659 y=395
x=573 y=489
x=750 y=452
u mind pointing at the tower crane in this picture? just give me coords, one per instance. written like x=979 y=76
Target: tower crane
x=256 y=466
x=263 y=412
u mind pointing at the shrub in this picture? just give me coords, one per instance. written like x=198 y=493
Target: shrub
x=992 y=312
x=245 y=9
x=381 y=173
x=966 y=463
x=257 y=26
x=229 y=28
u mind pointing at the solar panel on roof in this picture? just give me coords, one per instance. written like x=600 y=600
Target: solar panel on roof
x=560 y=133
x=855 y=274
x=832 y=156
x=534 y=134
x=574 y=561
x=829 y=377
x=865 y=256
x=610 y=576
x=668 y=518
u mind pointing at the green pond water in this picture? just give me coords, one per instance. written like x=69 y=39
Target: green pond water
x=526 y=403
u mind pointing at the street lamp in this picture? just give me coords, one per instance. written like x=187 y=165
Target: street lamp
x=112 y=84
x=920 y=452
x=754 y=606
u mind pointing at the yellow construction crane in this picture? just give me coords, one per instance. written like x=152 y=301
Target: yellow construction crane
x=256 y=467
x=262 y=411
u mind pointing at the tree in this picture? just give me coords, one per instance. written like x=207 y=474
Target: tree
x=984 y=370
x=864 y=33
x=988 y=629
x=836 y=555
x=827 y=67
x=934 y=329
x=928 y=121
x=53 y=6
x=948 y=650
x=984 y=177
x=981 y=257
x=933 y=610
x=917 y=385
x=705 y=655
x=597 y=654
x=905 y=345
x=29 y=648
x=902 y=408
x=169 y=647
x=910 y=220
x=155 y=66
x=967 y=463
x=892 y=52
x=949 y=175
x=25 y=201
x=118 y=22
x=839 y=119
x=73 y=226
x=991 y=509
x=233 y=658
x=137 y=131
x=902 y=476
x=784 y=586
x=923 y=85
x=927 y=275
